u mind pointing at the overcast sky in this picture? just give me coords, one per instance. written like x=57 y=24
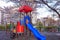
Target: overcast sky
x=43 y=12
x=5 y=4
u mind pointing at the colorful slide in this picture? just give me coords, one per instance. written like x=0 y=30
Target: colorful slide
x=34 y=30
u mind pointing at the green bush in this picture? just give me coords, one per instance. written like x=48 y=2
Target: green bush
x=5 y=27
x=39 y=25
x=50 y=28
x=8 y=26
x=2 y=27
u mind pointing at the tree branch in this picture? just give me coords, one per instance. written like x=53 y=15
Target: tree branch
x=51 y=8
x=42 y=1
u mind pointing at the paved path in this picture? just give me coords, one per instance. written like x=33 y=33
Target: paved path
x=4 y=36
x=52 y=35
x=49 y=36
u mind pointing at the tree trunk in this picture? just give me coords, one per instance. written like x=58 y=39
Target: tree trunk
x=2 y=16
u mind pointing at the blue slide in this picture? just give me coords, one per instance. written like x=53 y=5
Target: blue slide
x=34 y=30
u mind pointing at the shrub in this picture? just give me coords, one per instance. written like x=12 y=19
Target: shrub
x=49 y=28
x=2 y=27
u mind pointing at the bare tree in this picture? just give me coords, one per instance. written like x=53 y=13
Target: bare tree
x=49 y=7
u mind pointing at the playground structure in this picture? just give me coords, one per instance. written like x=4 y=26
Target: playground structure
x=26 y=21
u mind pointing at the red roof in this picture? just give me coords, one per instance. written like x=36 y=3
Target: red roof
x=25 y=9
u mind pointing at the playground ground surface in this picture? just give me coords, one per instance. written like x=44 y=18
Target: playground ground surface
x=49 y=36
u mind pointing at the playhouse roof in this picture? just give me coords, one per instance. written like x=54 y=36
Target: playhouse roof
x=25 y=9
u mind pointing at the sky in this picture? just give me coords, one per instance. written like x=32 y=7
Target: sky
x=43 y=12
x=6 y=4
